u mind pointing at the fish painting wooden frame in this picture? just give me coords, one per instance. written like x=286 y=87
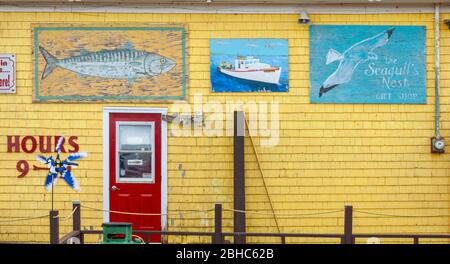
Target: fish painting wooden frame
x=368 y=64
x=109 y=62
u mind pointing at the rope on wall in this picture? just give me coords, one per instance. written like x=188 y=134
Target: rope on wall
x=210 y=210
x=284 y=215
x=262 y=174
x=23 y=219
x=145 y=214
x=394 y=215
x=67 y=217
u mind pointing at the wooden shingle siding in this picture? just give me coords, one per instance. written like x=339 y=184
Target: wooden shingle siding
x=374 y=157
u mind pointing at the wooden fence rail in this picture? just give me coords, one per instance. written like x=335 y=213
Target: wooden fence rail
x=218 y=236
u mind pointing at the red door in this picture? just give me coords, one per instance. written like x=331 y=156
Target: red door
x=135 y=170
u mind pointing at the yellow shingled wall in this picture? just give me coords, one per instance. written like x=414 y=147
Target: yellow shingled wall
x=374 y=157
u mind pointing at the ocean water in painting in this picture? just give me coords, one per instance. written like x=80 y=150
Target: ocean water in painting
x=273 y=52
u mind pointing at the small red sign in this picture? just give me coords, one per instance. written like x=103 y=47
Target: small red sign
x=7 y=73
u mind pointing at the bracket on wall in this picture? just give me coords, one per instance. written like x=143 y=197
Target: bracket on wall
x=196 y=119
x=447 y=22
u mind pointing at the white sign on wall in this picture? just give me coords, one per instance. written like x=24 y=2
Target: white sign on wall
x=7 y=73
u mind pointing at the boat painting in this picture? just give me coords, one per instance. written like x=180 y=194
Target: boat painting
x=112 y=63
x=249 y=65
x=251 y=69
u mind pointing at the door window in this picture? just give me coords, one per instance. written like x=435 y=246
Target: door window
x=135 y=152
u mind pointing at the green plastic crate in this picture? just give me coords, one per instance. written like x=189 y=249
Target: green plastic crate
x=118 y=233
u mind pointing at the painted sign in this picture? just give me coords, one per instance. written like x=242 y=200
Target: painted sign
x=42 y=144
x=7 y=73
x=367 y=64
x=91 y=63
x=249 y=65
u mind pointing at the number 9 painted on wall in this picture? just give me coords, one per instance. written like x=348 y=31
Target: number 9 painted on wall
x=23 y=167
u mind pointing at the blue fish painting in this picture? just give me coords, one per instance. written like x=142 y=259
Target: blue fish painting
x=114 y=64
x=367 y=64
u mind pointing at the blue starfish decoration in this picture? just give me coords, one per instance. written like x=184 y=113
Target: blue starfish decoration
x=63 y=168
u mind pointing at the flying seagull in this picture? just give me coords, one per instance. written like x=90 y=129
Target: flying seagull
x=351 y=58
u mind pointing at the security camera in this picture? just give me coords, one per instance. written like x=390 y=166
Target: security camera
x=304 y=18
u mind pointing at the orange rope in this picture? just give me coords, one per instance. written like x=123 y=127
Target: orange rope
x=143 y=241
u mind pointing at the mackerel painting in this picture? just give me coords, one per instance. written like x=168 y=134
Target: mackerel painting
x=109 y=63
x=116 y=64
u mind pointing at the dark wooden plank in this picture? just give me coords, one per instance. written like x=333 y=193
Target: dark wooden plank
x=239 y=177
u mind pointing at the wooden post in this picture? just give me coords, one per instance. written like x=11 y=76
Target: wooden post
x=239 y=177
x=54 y=227
x=76 y=224
x=76 y=216
x=348 y=225
x=218 y=238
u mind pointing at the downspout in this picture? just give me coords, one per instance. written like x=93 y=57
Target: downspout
x=437 y=142
x=437 y=71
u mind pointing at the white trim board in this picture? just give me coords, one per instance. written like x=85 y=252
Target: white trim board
x=136 y=110
x=232 y=9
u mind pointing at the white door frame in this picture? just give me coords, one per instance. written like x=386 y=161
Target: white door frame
x=106 y=168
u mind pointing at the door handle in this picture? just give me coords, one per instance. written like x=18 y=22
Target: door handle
x=115 y=188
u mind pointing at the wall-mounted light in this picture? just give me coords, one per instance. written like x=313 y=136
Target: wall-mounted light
x=304 y=18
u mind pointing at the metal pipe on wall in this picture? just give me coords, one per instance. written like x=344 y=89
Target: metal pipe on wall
x=437 y=70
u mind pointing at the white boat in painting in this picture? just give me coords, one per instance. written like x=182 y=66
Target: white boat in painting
x=250 y=68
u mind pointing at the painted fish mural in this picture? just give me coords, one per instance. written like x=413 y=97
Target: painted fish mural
x=127 y=64
x=351 y=58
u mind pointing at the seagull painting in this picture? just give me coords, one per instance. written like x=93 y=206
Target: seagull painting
x=63 y=168
x=360 y=52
